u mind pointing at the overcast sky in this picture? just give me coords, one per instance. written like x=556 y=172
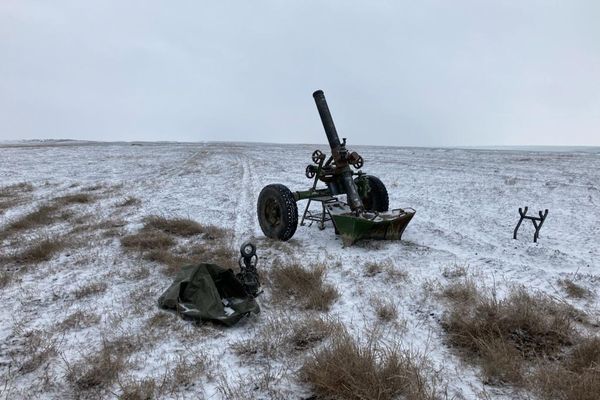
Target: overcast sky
x=415 y=73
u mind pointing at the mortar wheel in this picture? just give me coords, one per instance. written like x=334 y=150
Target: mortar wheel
x=377 y=199
x=277 y=212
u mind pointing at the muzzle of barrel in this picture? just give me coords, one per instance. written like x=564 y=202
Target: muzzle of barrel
x=327 y=120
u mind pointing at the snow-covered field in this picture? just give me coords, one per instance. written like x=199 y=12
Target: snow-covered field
x=466 y=202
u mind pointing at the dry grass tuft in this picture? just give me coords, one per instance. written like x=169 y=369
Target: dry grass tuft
x=78 y=320
x=174 y=226
x=39 y=349
x=265 y=382
x=143 y=389
x=12 y=195
x=90 y=289
x=102 y=368
x=502 y=334
x=77 y=198
x=373 y=268
x=15 y=189
x=137 y=274
x=174 y=259
x=454 y=271
x=155 y=240
x=184 y=227
x=5 y=278
x=130 y=201
x=283 y=336
x=147 y=240
x=575 y=377
x=347 y=370
x=186 y=372
x=44 y=215
x=306 y=287
x=395 y=274
x=6 y=204
x=386 y=311
x=574 y=290
x=161 y=319
x=40 y=250
x=50 y=213
x=464 y=291
x=308 y=332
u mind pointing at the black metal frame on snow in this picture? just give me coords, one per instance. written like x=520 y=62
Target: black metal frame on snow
x=535 y=220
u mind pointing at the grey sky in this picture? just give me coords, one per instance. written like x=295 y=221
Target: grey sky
x=424 y=73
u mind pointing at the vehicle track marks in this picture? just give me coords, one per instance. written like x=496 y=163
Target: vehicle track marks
x=245 y=219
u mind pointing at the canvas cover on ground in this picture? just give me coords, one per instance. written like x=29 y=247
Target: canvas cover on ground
x=208 y=292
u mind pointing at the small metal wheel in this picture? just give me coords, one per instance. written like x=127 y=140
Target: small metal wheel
x=317 y=155
x=358 y=163
x=310 y=171
x=247 y=250
x=277 y=212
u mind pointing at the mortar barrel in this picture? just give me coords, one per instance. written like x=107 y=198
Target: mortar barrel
x=328 y=125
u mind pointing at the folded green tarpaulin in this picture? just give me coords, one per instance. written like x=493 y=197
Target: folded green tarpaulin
x=208 y=292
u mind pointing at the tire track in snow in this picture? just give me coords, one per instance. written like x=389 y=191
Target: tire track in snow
x=246 y=223
x=181 y=166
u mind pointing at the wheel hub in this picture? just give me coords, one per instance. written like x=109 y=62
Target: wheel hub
x=272 y=212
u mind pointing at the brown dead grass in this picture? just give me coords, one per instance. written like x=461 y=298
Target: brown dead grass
x=264 y=382
x=6 y=204
x=44 y=215
x=173 y=226
x=78 y=320
x=38 y=251
x=464 y=291
x=373 y=268
x=12 y=195
x=455 y=271
x=147 y=240
x=175 y=258
x=161 y=319
x=573 y=289
x=347 y=370
x=299 y=285
x=5 y=278
x=130 y=201
x=574 y=377
x=38 y=348
x=504 y=336
x=48 y=214
x=101 y=368
x=393 y=273
x=15 y=189
x=157 y=243
x=386 y=311
x=76 y=198
x=143 y=389
x=283 y=336
x=90 y=289
x=183 y=227
x=186 y=371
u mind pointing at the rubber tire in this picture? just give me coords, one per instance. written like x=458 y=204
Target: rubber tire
x=377 y=199
x=281 y=197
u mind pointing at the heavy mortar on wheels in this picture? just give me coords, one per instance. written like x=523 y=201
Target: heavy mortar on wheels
x=365 y=213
